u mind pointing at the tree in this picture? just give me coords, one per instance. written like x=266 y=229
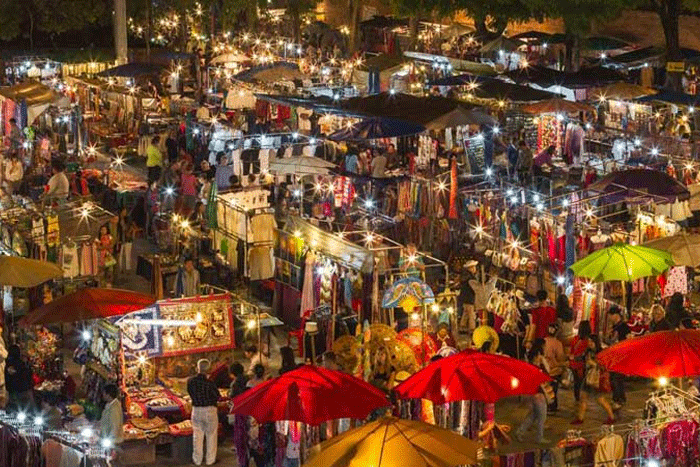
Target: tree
x=492 y=17
x=49 y=16
x=296 y=9
x=414 y=9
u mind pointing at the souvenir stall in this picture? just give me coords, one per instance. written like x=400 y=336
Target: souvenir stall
x=25 y=103
x=323 y=278
x=245 y=231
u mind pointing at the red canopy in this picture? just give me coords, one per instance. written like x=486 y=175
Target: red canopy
x=86 y=304
x=671 y=354
x=312 y=395
x=472 y=375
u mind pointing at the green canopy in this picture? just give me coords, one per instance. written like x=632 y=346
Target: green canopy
x=622 y=262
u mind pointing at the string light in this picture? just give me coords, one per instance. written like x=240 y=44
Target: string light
x=250 y=324
x=85 y=335
x=663 y=381
x=142 y=359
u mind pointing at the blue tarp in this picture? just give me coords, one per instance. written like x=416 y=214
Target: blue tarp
x=671 y=97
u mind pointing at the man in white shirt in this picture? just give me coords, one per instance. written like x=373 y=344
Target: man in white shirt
x=14 y=172
x=256 y=357
x=112 y=419
x=58 y=186
x=379 y=166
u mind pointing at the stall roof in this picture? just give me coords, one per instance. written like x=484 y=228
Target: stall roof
x=585 y=77
x=647 y=55
x=491 y=88
x=382 y=62
x=31 y=92
x=277 y=71
x=331 y=245
x=317 y=104
x=132 y=70
x=401 y=106
x=671 y=97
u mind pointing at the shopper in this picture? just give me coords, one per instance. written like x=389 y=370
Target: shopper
x=112 y=418
x=14 y=172
x=540 y=318
x=19 y=381
x=467 y=297
x=577 y=363
x=58 y=187
x=596 y=382
x=618 y=333
x=15 y=135
x=256 y=357
x=188 y=190
x=106 y=260
x=537 y=403
x=190 y=279
x=239 y=384
x=556 y=362
x=676 y=311
x=658 y=319
x=288 y=360
x=154 y=160
x=205 y=421
x=258 y=376
x=126 y=230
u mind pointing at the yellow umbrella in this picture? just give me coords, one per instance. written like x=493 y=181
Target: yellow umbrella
x=390 y=442
x=16 y=271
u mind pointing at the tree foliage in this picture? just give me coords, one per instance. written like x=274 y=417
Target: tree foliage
x=26 y=17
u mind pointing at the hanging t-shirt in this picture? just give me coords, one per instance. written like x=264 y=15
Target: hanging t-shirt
x=70 y=261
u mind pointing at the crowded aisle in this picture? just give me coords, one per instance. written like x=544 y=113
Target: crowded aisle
x=273 y=252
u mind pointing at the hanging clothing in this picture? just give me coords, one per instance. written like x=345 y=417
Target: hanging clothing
x=609 y=451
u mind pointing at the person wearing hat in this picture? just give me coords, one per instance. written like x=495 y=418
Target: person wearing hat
x=205 y=420
x=467 y=297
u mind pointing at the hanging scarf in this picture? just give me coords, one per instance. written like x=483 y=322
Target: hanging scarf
x=452 y=214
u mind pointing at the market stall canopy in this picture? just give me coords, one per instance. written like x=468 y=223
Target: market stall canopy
x=311 y=395
x=465 y=79
x=466 y=66
x=667 y=96
x=390 y=442
x=548 y=77
x=420 y=110
x=623 y=91
x=667 y=354
x=636 y=183
x=622 y=262
x=278 y=71
x=332 y=245
x=229 y=58
x=132 y=70
x=87 y=304
x=501 y=44
x=646 y=57
x=377 y=128
x=472 y=375
x=532 y=36
x=460 y=117
x=37 y=96
x=494 y=88
x=457 y=30
x=684 y=248
x=557 y=105
x=603 y=43
x=16 y=271
x=301 y=165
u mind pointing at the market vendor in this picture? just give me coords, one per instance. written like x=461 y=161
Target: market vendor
x=19 y=381
x=58 y=187
x=112 y=418
x=443 y=337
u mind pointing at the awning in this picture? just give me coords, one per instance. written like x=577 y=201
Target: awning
x=132 y=70
x=279 y=71
x=420 y=110
x=671 y=97
x=37 y=97
x=377 y=128
x=460 y=117
x=330 y=244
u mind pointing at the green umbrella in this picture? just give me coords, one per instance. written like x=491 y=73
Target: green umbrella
x=622 y=262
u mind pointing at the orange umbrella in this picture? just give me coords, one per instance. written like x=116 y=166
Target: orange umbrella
x=87 y=304
x=557 y=105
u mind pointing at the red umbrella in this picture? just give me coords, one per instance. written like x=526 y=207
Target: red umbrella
x=472 y=375
x=86 y=304
x=311 y=395
x=670 y=354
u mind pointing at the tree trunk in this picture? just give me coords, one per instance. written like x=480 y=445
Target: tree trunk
x=296 y=25
x=354 y=7
x=669 y=12
x=413 y=31
x=149 y=15
x=252 y=14
x=571 y=62
x=480 y=25
x=31 y=31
